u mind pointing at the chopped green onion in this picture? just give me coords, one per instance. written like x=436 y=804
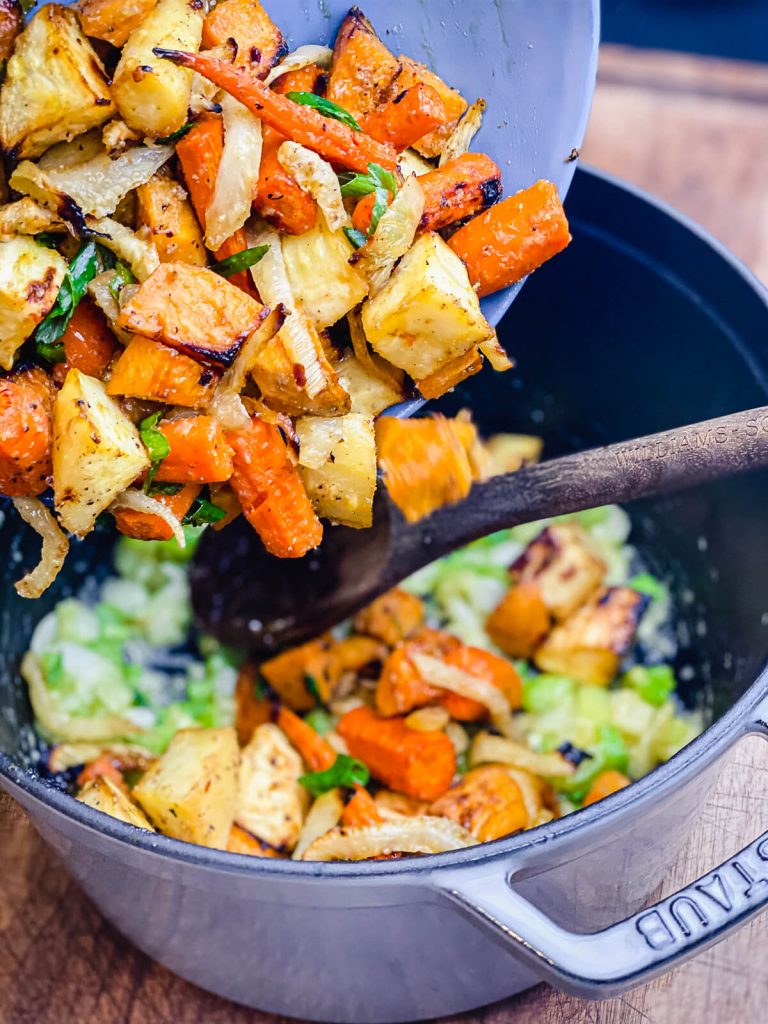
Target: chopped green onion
x=240 y=261
x=649 y=585
x=178 y=134
x=327 y=107
x=169 y=489
x=359 y=185
x=122 y=276
x=156 y=444
x=654 y=683
x=203 y=512
x=345 y=771
x=357 y=238
x=83 y=268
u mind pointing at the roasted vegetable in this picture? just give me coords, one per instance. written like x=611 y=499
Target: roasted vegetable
x=271 y=803
x=562 y=564
x=199 y=452
x=164 y=210
x=411 y=115
x=296 y=673
x=337 y=459
x=392 y=617
x=318 y=754
x=241 y=841
x=389 y=839
x=459 y=189
x=427 y=314
x=152 y=371
x=193 y=310
x=509 y=241
x=104 y=795
x=113 y=20
x=271 y=493
x=151 y=94
x=424 y=463
x=89 y=345
x=361 y=810
x=606 y=783
x=97 y=452
x=191 y=792
x=251 y=707
x=451 y=375
x=145 y=526
x=521 y=621
x=410 y=73
x=330 y=294
x=258 y=41
x=363 y=68
x=334 y=141
x=25 y=433
x=30 y=278
x=419 y=764
x=55 y=87
x=589 y=645
x=487 y=802
x=11 y=25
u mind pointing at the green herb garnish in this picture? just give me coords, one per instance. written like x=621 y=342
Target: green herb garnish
x=314 y=690
x=83 y=268
x=169 y=489
x=202 y=513
x=357 y=238
x=327 y=107
x=240 y=261
x=156 y=444
x=345 y=771
x=122 y=276
x=378 y=182
x=46 y=238
x=178 y=134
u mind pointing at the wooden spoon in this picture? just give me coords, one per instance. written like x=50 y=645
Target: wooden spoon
x=246 y=597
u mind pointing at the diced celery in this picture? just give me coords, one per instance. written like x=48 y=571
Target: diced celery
x=612 y=748
x=320 y=720
x=594 y=704
x=76 y=622
x=52 y=665
x=630 y=713
x=128 y=598
x=91 y=684
x=654 y=683
x=543 y=693
x=646 y=583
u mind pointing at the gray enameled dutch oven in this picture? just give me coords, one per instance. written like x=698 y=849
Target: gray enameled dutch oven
x=642 y=324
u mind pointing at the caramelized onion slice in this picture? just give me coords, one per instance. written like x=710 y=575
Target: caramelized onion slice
x=460 y=139
x=316 y=176
x=448 y=677
x=55 y=547
x=424 y=834
x=324 y=814
x=237 y=180
x=138 y=501
x=227 y=406
x=393 y=237
x=488 y=749
x=301 y=57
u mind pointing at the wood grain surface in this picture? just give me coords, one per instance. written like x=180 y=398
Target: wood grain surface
x=694 y=132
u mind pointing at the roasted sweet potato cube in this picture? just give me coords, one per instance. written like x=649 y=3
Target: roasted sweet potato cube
x=487 y=802
x=589 y=645
x=163 y=207
x=566 y=570
x=112 y=20
x=193 y=310
x=260 y=42
x=251 y=709
x=363 y=68
x=296 y=673
x=199 y=452
x=520 y=622
x=392 y=617
x=26 y=433
x=156 y=373
x=411 y=73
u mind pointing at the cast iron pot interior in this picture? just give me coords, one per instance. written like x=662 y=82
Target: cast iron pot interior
x=639 y=326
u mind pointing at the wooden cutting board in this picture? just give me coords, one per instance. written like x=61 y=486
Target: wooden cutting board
x=695 y=132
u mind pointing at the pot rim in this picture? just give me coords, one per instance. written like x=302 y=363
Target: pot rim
x=706 y=748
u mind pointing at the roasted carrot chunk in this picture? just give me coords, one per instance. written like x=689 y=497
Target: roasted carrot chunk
x=485 y=665
x=193 y=310
x=251 y=711
x=199 y=153
x=363 y=68
x=459 y=189
x=259 y=41
x=363 y=212
x=294 y=674
x=361 y=810
x=199 y=453
x=242 y=841
x=89 y=344
x=331 y=139
x=406 y=118
x=317 y=752
x=145 y=526
x=412 y=73
x=449 y=376
x=521 y=621
x=487 y=802
x=419 y=764
x=392 y=617
x=102 y=767
x=163 y=207
x=312 y=78
x=502 y=245
x=25 y=433
x=605 y=784
x=279 y=198
x=154 y=372
x=271 y=491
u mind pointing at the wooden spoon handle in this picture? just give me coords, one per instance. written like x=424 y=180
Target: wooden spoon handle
x=647 y=466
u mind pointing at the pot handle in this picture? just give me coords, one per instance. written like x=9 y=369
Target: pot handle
x=635 y=950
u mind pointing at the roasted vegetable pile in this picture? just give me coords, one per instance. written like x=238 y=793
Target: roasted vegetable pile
x=503 y=686
x=194 y=209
